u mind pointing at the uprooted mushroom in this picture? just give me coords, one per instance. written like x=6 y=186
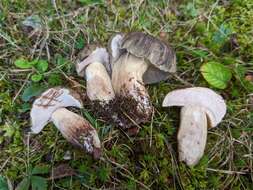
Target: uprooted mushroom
x=202 y=109
x=93 y=64
x=50 y=106
x=138 y=59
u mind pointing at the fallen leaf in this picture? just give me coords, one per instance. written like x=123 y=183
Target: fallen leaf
x=249 y=77
x=61 y=171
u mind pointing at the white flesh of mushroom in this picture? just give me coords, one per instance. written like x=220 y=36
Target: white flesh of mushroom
x=192 y=134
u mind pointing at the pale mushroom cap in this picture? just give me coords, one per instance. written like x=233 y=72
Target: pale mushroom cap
x=213 y=104
x=98 y=55
x=115 y=46
x=48 y=102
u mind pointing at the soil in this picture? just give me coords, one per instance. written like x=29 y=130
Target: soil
x=121 y=111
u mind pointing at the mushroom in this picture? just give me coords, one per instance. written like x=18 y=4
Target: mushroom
x=138 y=59
x=50 y=106
x=202 y=109
x=94 y=67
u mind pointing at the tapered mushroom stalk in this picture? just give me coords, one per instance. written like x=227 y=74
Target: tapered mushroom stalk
x=202 y=109
x=138 y=59
x=94 y=68
x=50 y=106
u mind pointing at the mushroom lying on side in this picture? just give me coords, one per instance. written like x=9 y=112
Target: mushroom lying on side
x=202 y=108
x=138 y=59
x=50 y=106
x=93 y=65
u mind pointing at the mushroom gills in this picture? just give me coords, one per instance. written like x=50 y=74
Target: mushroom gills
x=98 y=83
x=77 y=131
x=192 y=134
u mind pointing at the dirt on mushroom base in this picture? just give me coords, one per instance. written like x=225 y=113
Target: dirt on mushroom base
x=122 y=111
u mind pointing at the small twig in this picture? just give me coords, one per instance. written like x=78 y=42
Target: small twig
x=4 y=164
x=182 y=81
x=230 y=172
x=19 y=91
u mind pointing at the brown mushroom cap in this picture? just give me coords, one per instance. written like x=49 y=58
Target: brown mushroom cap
x=48 y=102
x=159 y=54
x=213 y=104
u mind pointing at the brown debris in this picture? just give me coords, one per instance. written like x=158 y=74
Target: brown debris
x=61 y=171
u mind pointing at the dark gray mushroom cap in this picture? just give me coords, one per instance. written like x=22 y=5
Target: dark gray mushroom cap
x=159 y=54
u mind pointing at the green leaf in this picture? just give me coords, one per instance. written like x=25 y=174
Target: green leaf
x=222 y=34
x=31 y=91
x=90 y=2
x=36 y=77
x=79 y=44
x=3 y=183
x=41 y=169
x=42 y=66
x=55 y=80
x=216 y=74
x=38 y=183
x=24 y=184
x=23 y=64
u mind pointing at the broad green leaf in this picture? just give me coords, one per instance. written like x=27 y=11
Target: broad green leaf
x=36 y=77
x=41 y=169
x=23 y=64
x=42 y=66
x=216 y=74
x=24 y=184
x=31 y=91
x=3 y=183
x=38 y=183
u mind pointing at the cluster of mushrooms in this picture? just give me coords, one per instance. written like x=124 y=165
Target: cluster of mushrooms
x=115 y=86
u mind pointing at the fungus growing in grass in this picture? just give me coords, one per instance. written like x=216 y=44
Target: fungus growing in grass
x=202 y=109
x=50 y=106
x=138 y=59
x=93 y=64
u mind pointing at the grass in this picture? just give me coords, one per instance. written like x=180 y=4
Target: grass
x=199 y=31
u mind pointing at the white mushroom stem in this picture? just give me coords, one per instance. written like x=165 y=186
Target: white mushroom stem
x=127 y=79
x=77 y=130
x=192 y=134
x=98 y=83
